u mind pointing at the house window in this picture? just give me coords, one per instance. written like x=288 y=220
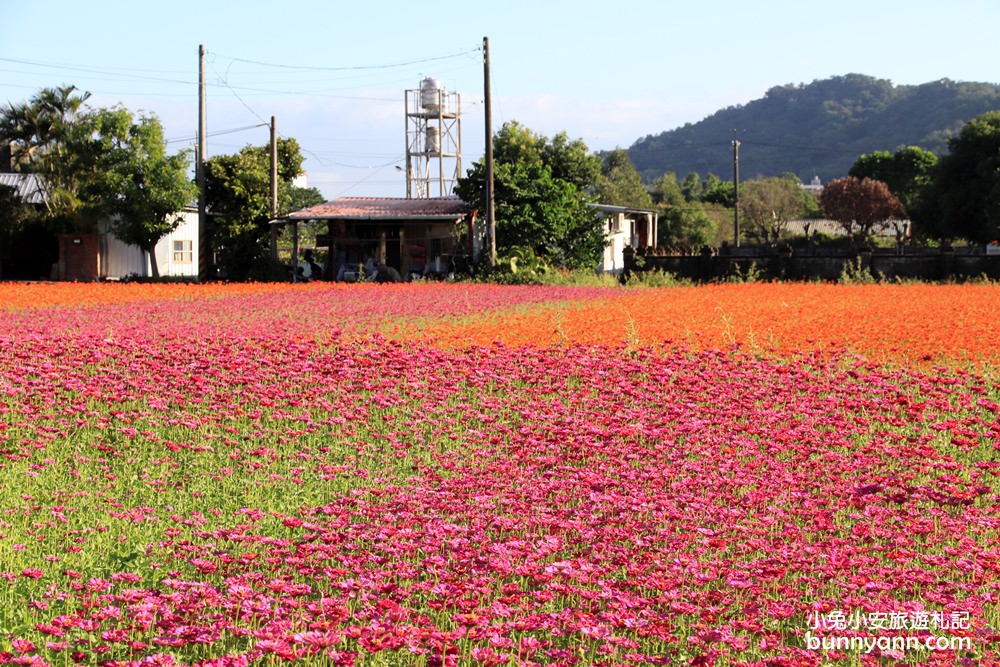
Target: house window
x=614 y=225
x=183 y=252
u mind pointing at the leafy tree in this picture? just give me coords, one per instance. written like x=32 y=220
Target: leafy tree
x=860 y=206
x=716 y=191
x=41 y=133
x=300 y=198
x=769 y=204
x=541 y=195
x=620 y=184
x=683 y=225
x=571 y=161
x=134 y=180
x=963 y=200
x=907 y=171
x=238 y=193
x=693 y=187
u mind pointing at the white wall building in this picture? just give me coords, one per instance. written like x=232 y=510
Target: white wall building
x=623 y=227
x=176 y=253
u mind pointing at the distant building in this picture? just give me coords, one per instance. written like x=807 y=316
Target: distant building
x=814 y=186
x=624 y=226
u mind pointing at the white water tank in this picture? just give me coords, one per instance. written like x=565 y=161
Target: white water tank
x=430 y=96
x=432 y=142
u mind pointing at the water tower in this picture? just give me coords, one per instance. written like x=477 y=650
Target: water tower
x=433 y=141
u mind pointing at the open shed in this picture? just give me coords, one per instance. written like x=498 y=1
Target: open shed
x=416 y=237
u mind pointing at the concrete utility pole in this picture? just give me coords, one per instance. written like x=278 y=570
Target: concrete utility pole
x=274 y=188
x=204 y=252
x=491 y=229
x=736 y=190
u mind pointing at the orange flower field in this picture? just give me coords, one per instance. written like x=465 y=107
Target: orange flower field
x=948 y=324
x=910 y=323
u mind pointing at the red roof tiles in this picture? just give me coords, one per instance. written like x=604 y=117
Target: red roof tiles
x=375 y=208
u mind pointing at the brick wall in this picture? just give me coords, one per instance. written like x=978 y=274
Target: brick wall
x=79 y=257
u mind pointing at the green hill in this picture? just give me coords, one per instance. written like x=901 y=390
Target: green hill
x=817 y=129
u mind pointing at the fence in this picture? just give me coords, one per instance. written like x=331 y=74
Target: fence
x=928 y=264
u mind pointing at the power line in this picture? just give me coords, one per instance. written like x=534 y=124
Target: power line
x=127 y=75
x=91 y=70
x=351 y=68
x=818 y=149
x=217 y=133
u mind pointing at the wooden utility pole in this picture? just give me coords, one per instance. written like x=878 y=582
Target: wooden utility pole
x=204 y=251
x=736 y=190
x=491 y=229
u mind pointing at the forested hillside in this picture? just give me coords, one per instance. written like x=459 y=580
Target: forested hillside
x=817 y=129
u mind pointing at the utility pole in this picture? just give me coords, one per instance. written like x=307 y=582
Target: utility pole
x=204 y=252
x=274 y=189
x=736 y=190
x=491 y=230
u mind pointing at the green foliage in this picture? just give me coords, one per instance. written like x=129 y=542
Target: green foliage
x=655 y=278
x=907 y=171
x=238 y=191
x=716 y=191
x=751 y=274
x=963 y=202
x=620 y=184
x=797 y=127
x=520 y=266
x=301 y=198
x=854 y=272
x=683 y=225
x=540 y=197
x=769 y=204
x=98 y=163
x=571 y=161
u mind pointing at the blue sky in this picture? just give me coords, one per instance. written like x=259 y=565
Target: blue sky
x=334 y=73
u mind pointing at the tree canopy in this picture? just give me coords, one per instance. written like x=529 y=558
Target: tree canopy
x=963 y=201
x=769 y=204
x=907 y=171
x=238 y=193
x=620 y=184
x=683 y=226
x=860 y=206
x=541 y=192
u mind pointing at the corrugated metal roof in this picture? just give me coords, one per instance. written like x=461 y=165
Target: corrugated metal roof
x=375 y=208
x=27 y=186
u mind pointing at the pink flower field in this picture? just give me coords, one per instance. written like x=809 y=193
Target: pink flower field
x=301 y=475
